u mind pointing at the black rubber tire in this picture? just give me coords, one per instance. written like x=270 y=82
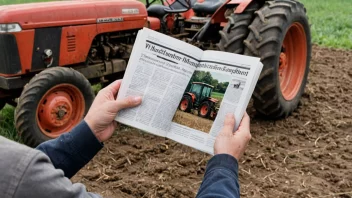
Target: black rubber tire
x=236 y=30
x=209 y=105
x=25 y=113
x=190 y=103
x=2 y=104
x=265 y=40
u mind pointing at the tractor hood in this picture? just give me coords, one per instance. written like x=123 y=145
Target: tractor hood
x=64 y=13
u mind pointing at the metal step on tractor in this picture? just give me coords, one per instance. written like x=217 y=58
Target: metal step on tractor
x=52 y=52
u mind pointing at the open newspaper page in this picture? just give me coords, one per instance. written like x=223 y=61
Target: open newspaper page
x=223 y=83
x=158 y=70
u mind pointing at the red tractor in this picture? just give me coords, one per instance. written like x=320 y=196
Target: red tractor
x=199 y=97
x=52 y=52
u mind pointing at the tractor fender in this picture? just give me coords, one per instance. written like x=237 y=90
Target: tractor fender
x=242 y=5
x=191 y=95
x=153 y=23
x=219 y=17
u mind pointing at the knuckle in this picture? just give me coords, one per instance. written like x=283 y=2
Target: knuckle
x=129 y=101
x=249 y=137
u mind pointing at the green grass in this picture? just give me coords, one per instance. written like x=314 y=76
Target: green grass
x=6 y=2
x=331 y=22
x=217 y=95
x=7 y=128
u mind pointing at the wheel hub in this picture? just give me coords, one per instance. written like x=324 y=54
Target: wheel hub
x=204 y=110
x=184 y=105
x=61 y=113
x=59 y=110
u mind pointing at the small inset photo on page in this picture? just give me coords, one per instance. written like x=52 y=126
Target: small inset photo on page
x=201 y=101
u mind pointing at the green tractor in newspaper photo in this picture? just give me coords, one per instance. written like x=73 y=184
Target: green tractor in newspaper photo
x=199 y=98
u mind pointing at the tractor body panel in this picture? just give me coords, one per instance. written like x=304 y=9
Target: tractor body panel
x=66 y=28
x=66 y=13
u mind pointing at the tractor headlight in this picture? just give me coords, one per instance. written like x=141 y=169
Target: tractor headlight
x=12 y=27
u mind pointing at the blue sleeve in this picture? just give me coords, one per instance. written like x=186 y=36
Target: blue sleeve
x=221 y=178
x=71 y=151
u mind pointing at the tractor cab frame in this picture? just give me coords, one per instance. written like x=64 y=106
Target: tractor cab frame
x=201 y=91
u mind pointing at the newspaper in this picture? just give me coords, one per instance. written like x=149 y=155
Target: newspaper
x=186 y=91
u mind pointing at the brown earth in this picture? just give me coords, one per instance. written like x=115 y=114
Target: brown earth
x=193 y=121
x=309 y=154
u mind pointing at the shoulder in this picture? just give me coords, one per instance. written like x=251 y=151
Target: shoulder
x=15 y=159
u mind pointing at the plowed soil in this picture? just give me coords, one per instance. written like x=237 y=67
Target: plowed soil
x=309 y=154
x=193 y=121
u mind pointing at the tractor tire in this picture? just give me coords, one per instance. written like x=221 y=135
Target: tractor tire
x=2 y=104
x=52 y=103
x=205 y=109
x=280 y=36
x=186 y=104
x=236 y=30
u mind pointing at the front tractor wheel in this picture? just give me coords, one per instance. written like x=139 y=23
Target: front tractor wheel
x=280 y=36
x=52 y=103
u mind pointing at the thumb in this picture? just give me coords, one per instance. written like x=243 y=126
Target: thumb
x=229 y=124
x=128 y=102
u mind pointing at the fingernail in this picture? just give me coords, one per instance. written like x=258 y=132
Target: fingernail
x=137 y=99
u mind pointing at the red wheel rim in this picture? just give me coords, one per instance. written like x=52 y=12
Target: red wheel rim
x=204 y=110
x=60 y=109
x=293 y=60
x=184 y=104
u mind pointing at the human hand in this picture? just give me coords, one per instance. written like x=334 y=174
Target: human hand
x=233 y=143
x=101 y=115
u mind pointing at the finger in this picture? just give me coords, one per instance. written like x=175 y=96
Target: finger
x=229 y=124
x=114 y=87
x=115 y=124
x=244 y=128
x=128 y=102
x=114 y=106
x=245 y=122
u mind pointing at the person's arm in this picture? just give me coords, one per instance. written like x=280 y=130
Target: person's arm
x=40 y=179
x=71 y=151
x=221 y=175
x=221 y=178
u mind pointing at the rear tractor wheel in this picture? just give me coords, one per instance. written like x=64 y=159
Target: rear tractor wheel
x=52 y=103
x=186 y=104
x=205 y=109
x=280 y=36
x=236 y=30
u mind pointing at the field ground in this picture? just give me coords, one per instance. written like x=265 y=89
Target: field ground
x=309 y=154
x=193 y=121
